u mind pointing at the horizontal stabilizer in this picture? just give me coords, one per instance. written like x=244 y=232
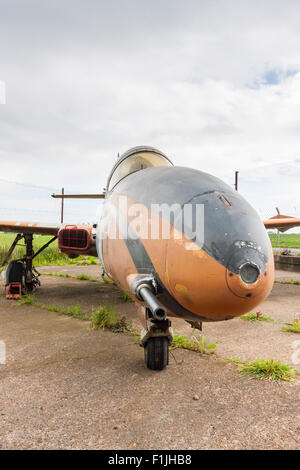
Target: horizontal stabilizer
x=282 y=222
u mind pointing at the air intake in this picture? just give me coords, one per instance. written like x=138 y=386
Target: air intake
x=73 y=238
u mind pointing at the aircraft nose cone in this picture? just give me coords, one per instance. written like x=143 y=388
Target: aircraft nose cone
x=247 y=259
x=217 y=290
x=249 y=271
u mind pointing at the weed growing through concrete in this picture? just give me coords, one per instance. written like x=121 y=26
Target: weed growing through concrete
x=266 y=369
x=80 y=277
x=105 y=317
x=126 y=297
x=84 y=277
x=28 y=299
x=121 y=326
x=292 y=281
x=58 y=274
x=197 y=345
x=53 y=308
x=258 y=316
x=75 y=312
x=292 y=327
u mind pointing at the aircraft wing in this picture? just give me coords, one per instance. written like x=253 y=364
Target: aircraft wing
x=282 y=222
x=29 y=227
x=75 y=240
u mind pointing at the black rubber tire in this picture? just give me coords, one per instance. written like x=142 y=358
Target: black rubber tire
x=15 y=272
x=156 y=352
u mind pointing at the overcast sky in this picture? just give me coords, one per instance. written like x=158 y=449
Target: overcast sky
x=213 y=84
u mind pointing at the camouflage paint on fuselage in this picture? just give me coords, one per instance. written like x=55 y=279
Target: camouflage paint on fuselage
x=202 y=283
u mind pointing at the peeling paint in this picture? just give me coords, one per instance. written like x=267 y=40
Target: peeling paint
x=181 y=289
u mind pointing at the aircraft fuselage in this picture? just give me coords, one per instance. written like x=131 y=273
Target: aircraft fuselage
x=224 y=270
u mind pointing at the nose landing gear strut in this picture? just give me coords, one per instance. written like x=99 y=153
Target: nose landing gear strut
x=157 y=334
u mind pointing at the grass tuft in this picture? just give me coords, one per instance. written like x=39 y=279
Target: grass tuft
x=84 y=277
x=292 y=281
x=126 y=297
x=266 y=369
x=292 y=327
x=121 y=326
x=104 y=317
x=58 y=274
x=80 y=277
x=28 y=299
x=197 y=345
x=75 y=312
x=53 y=308
x=258 y=316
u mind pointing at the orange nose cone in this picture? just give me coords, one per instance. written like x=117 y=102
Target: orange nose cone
x=205 y=287
x=257 y=290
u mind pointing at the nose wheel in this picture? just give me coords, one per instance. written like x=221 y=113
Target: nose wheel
x=156 y=353
x=156 y=337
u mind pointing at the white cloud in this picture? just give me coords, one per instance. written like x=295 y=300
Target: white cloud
x=91 y=79
x=2 y=92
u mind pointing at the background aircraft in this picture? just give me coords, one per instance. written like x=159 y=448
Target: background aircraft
x=213 y=271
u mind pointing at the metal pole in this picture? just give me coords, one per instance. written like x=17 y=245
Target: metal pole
x=278 y=238
x=28 y=261
x=62 y=206
x=278 y=233
x=236 y=180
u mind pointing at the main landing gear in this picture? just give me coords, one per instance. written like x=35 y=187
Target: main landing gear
x=156 y=338
x=21 y=277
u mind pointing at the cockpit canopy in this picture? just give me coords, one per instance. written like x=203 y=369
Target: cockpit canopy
x=135 y=159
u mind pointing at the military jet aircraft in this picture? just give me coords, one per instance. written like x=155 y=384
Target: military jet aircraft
x=179 y=241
